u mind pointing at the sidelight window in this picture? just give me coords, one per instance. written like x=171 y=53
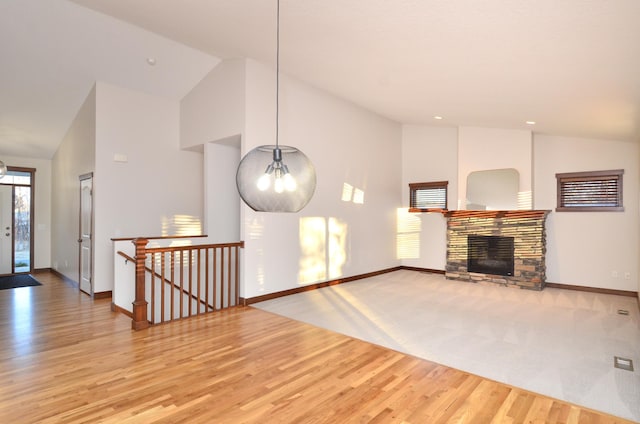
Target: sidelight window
x=16 y=220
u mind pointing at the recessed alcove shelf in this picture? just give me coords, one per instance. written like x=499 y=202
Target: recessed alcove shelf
x=527 y=227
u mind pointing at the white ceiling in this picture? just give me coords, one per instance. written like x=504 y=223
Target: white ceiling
x=573 y=66
x=53 y=51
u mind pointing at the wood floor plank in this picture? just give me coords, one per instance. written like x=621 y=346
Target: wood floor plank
x=65 y=358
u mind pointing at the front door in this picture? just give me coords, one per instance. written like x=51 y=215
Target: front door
x=6 y=229
x=86 y=229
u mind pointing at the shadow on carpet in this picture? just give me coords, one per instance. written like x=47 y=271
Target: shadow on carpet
x=15 y=281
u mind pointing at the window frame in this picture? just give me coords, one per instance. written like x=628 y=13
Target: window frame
x=432 y=185
x=562 y=178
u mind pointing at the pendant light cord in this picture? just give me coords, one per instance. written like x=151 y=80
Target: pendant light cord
x=277 y=70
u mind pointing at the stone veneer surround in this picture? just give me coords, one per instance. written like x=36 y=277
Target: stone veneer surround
x=526 y=227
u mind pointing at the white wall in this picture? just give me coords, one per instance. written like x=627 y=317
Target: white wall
x=211 y=120
x=158 y=191
x=42 y=207
x=482 y=149
x=214 y=109
x=329 y=238
x=75 y=156
x=586 y=248
x=222 y=202
x=428 y=154
x=583 y=248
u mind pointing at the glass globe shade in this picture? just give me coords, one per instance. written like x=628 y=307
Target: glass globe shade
x=269 y=182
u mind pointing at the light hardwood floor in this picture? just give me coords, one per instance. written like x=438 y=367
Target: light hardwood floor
x=66 y=358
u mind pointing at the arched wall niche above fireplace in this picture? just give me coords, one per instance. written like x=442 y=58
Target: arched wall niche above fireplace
x=493 y=189
x=483 y=151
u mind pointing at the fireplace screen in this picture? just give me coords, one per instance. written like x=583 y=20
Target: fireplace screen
x=490 y=255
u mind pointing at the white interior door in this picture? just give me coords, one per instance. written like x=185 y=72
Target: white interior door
x=86 y=224
x=6 y=229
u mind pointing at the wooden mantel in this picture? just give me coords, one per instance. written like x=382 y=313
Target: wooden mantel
x=497 y=214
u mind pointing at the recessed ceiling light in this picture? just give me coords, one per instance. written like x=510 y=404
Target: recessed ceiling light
x=437 y=117
x=151 y=61
x=531 y=122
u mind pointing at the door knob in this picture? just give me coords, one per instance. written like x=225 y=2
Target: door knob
x=7 y=234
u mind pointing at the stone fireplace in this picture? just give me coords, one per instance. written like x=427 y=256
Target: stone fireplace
x=523 y=229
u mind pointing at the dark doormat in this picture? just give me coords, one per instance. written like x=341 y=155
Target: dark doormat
x=20 y=280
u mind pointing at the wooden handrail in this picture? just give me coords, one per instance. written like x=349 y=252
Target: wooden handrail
x=193 y=289
x=157 y=237
x=174 y=285
x=124 y=255
x=195 y=246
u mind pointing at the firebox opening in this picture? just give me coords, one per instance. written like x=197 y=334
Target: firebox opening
x=490 y=255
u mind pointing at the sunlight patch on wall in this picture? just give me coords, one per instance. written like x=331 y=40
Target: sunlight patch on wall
x=408 y=246
x=337 y=247
x=352 y=194
x=312 y=250
x=525 y=200
x=180 y=259
x=260 y=271
x=181 y=225
x=347 y=192
x=408 y=228
x=322 y=249
x=255 y=228
x=358 y=196
x=180 y=242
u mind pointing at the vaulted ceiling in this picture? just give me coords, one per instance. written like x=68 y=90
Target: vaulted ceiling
x=572 y=66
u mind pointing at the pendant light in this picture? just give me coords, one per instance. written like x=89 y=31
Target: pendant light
x=275 y=178
x=3 y=169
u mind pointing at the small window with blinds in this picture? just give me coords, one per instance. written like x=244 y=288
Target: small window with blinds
x=597 y=191
x=428 y=197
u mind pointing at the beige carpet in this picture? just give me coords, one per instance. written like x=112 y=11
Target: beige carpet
x=559 y=343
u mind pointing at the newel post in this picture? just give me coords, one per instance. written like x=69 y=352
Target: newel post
x=140 y=321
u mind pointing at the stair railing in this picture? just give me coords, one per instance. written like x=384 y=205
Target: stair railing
x=180 y=281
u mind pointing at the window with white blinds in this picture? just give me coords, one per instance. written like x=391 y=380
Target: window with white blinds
x=590 y=191
x=424 y=197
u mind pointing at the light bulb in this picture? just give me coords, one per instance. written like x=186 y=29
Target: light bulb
x=290 y=183
x=264 y=182
x=278 y=185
